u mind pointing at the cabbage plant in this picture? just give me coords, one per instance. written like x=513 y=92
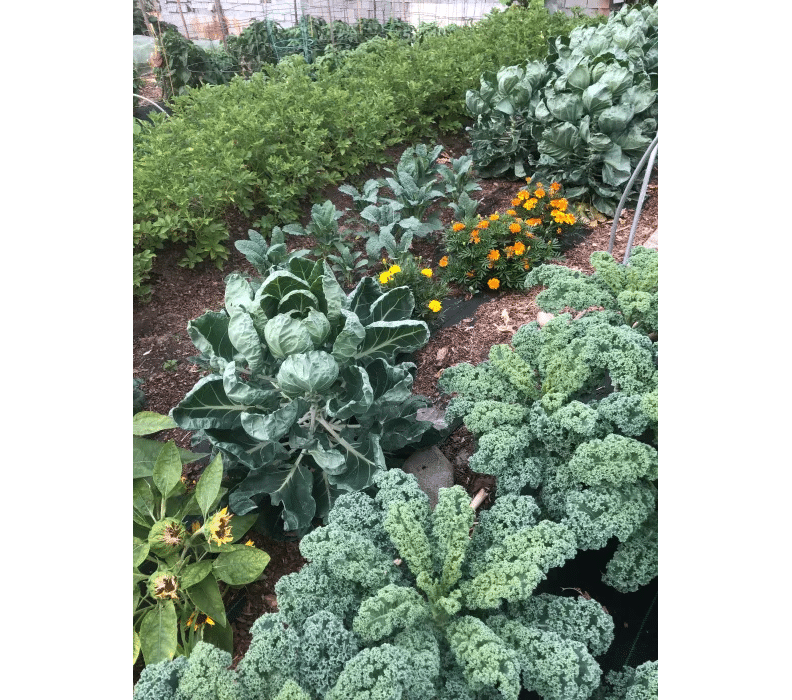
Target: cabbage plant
x=584 y=116
x=305 y=397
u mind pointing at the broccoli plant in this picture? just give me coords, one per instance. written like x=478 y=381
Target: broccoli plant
x=399 y=601
x=568 y=414
x=628 y=289
x=305 y=397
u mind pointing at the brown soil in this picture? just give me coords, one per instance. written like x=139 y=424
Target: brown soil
x=161 y=344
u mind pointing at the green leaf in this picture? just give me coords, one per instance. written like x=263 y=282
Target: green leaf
x=145 y=453
x=333 y=293
x=143 y=502
x=286 y=335
x=140 y=550
x=291 y=486
x=205 y=595
x=158 y=633
x=273 y=426
x=348 y=340
x=318 y=326
x=385 y=338
x=357 y=396
x=135 y=646
x=209 y=333
x=207 y=406
x=241 y=566
x=312 y=372
x=208 y=487
x=280 y=282
x=297 y=300
x=364 y=459
x=238 y=295
x=616 y=167
x=193 y=574
x=148 y=422
x=330 y=461
x=362 y=297
x=395 y=305
x=244 y=337
x=167 y=469
x=567 y=107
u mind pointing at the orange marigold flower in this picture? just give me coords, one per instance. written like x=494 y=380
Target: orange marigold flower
x=533 y=222
x=526 y=265
x=458 y=226
x=483 y=224
x=554 y=187
x=515 y=202
x=523 y=194
x=519 y=248
x=559 y=204
x=530 y=204
x=509 y=250
x=539 y=193
x=514 y=228
x=493 y=255
x=511 y=212
x=443 y=261
x=474 y=237
x=493 y=283
x=494 y=217
x=528 y=180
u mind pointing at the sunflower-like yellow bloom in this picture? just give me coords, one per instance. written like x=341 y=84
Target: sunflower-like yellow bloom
x=220 y=527
x=493 y=283
x=435 y=305
x=165 y=586
x=426 y=272
x=514 y=228
x=200 y=619
x=443 y=261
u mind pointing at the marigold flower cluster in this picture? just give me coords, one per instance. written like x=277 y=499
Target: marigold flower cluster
x=389 y=274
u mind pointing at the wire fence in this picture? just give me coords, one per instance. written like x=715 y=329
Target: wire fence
x=215 y=19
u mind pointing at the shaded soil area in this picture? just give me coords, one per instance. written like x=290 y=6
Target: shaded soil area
x=161 y=344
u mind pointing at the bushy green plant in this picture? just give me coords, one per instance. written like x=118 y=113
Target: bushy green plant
x=183 y=545
x=306 y=396
x=639 y=683
x=630 y=290
x=398 y=600
x=585 y=115
x=568 y=413
x=428 y=289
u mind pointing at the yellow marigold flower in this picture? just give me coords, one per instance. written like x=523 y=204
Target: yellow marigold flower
x=533 y=222
x=511 y=212
x=483 y=224
x=220 y=527
x=493 y=283
x=558 y=215
x=519 y=248
x=528 y=180
x=516 y=202
x=474 y=237
x=571 y=219
x=493 y=255
x=394 y=269
x=426 y=272
x=435 y=305
x=457 y=226
x=494 y=217
x=530 y=204
x=514 y=228
x=554 y=187
x=539 y=193
x=384 y=277
x=165 y=586
x=559 y=204
x=523 y=194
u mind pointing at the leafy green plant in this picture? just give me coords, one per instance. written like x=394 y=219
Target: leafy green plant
x=428 y=289
x=306 y=397
x=630 y=290
x=639 y=683
x=398 y=600
x=585 y=115
x=568 y=413
x=456 y=177
x=183 y=546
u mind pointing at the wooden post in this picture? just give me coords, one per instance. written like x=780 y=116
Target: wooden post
x=222 y=20
x=184 y=21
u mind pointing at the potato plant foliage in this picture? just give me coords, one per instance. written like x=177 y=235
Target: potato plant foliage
x=305 y=396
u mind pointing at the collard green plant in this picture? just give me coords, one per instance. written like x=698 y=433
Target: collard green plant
x=401 y=601
x=630 y=290
x=306 y=396
x=183 y=545
x=568 y=413
x=584 y=116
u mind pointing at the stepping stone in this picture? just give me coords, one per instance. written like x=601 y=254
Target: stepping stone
x=432 y=470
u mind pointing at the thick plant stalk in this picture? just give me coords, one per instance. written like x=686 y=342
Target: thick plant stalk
x=639 y=206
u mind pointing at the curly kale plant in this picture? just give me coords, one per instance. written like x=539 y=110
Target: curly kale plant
x=305 y=397
x=399 y=601
x=629 y=289
x=585 y=116
x=568 y=413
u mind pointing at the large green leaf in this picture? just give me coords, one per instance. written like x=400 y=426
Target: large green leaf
x=349 y=339
x=615 y=119
x=597 y=97
x=292 y=487
x=251 y=394
x=560 y=141
x=140 y=550
x=273 y=426
x=286 y=335
x=148 y=422
x=193 y=574
x=238 y=294
x=333 y=294
x=385 y=338
x=207 y=406
x=364 y=458
x=167 y=469
x=205 y=595
x=565 y=106
x=362 y=297
x=298 y=301
x=395 y=305
x=207 y=489
x=312 y=372
x=245 y=338
x=158 y=633
x=616 y=168
x=357 y=396
x=143 y=502
x=280 y=282
x=209 y=333
x=241 y=566
x=145 y=453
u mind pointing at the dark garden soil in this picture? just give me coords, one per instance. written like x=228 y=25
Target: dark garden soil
x=161 y=347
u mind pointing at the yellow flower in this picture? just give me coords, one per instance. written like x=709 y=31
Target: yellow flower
x=516 y=202
x=558 y=230
x=494 y=217
x=200 y=619
x=533 y=222
x=519 y=248
x=530 y=204
x=559 y=204
x=493 y=283
x=457 y=226
x=443 y=261
x=426 y=272
x=435 y=305
x=220 y=528
x=539 y=193
x=385 y=277
x=493 y=255
x=514 y=228
x=394 y=269
x=554 y=187
x=528 y=180
x=511 y=212
x=509 y=250
x=523 y=194
x=539 y=185
x=250 y=543
x=526 y=265
x=470 y=274
x=474 y=237
x=483 y=224
x=165 y=586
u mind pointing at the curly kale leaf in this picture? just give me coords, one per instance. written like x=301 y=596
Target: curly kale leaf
x=580 y=619
x=631 y=684
x=207 y=676
x=271 y=657
x=487 y=415
x=635 y=562
x=292 y=691
x=390 y=608
x=613 y=460
x=508 y=453
x=555 y=667
x=376 y=673
x=325 y=647
x=508 y=514
x=484 y=381
x=160 y=681
x=404 y=524
x=451 y=522
x=485 y=660
x=355 y=512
